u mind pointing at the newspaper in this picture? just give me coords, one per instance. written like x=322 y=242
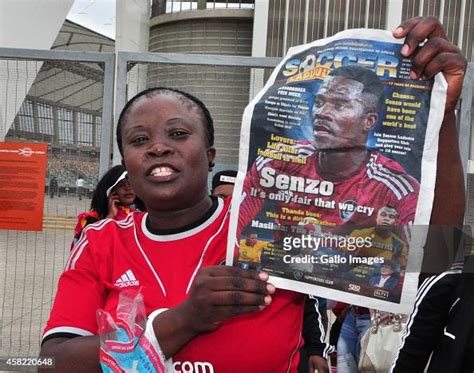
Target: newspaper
x=337 y=170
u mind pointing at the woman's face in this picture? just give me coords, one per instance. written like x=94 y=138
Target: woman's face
x=165 y=152
x=124 y=193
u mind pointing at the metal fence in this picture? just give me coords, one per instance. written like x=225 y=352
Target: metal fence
x=160 y=7
x=294 y=22
x=63 y=99
x=31 y=262
x=69 y=95
x=466 y=143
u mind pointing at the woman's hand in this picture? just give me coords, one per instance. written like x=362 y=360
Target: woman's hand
x=440 y=55
x=318 y=363
x=217 y=294
x=222 y=292
x=113 y=206
x=436 y=55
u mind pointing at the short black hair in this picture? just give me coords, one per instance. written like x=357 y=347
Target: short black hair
x=223 y=178
x=187 y=98
x=373 y=91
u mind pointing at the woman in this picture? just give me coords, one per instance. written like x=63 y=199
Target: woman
x=173 y=252
x=113 y=198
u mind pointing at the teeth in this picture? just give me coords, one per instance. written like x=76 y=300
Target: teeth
x=162 y=171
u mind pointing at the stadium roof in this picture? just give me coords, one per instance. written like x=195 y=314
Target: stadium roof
x=73 y=36
x=73 y=84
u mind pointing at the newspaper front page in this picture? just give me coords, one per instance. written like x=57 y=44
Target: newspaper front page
x=337 y=170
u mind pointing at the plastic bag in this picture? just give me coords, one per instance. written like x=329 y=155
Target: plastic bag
x=123 y=346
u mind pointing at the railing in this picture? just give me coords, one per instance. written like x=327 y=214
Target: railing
x=160 y=7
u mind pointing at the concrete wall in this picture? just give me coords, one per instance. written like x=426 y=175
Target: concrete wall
x=224 y=90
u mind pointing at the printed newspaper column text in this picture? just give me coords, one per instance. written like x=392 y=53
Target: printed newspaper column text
x=402 y=110
x=287 y=107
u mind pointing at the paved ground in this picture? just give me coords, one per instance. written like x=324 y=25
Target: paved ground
x=30 y=264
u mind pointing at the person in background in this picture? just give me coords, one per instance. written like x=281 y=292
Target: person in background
x=355 y=324
x=113 y=198
x=223 y=183
x=440 y=330
x=80 y=187
x=53 y=187
x=315 y=351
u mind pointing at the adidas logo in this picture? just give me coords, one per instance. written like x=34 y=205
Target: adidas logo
x=127 y=279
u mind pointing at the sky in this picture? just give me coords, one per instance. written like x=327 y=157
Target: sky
x=97 y=15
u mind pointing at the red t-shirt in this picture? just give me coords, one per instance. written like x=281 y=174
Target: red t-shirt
x=112 y=256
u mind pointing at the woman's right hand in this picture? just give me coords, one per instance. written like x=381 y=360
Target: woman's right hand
x=113 y=202
x=217 y=294
x=221 y=292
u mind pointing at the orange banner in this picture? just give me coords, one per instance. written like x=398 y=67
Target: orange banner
x=22 y=178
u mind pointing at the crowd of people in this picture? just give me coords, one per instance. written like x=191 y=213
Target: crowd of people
x=66 y=170
x=232 y=319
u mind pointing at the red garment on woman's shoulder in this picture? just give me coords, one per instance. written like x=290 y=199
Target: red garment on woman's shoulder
x=83 y=219
x=86 y=218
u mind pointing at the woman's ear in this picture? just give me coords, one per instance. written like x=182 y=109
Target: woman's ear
x=211 y=155
x=371 y=121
